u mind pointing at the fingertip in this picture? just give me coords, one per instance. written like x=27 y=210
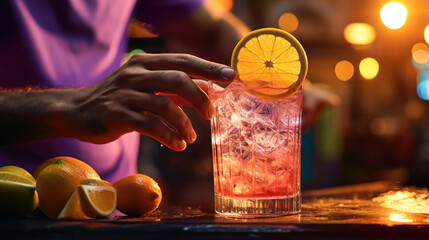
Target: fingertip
x=193 y=136
x=227 y=73
x=211 y=112
x=181 y=145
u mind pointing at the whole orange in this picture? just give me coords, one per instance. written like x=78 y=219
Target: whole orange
x=88 y=171
x=137 y=194
x=55 y=184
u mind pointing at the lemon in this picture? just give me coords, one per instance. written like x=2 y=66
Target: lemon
x=18 y=196
x=17 y=199
x=18 y=174
x=270 y=62
x=14 y=177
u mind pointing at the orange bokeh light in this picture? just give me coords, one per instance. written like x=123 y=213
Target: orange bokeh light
x=368 y=68
x=288 y=22
x=359 y=33
x=344 y=70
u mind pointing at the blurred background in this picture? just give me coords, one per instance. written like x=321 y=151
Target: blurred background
x=372 y=54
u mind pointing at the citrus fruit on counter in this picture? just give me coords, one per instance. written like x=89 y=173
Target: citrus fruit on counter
x=98 y=197
x=73 y=209
x=18 y=173
x=55 y=184
x=93 y=198
x=270 y=62
x=18 y=197
x=138 y=194
x=87 y=171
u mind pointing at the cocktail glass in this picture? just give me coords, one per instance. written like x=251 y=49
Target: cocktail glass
x=256 y=147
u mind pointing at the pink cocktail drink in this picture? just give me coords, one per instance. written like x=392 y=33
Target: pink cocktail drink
x=256 y=153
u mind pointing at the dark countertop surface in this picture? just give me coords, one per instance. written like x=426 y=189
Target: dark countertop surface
x=376 y=210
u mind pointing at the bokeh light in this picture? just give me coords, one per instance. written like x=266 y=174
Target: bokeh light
x=426 y=34
x=423 y=90
x=344 y=70
x=423 y=75
x=420 y=46
x=420 y=55
x=423 y=84
x=288 y=22
x=393 y=15
x=359 y=33
x=368 y=68
x=221 y=5
x=384 y=126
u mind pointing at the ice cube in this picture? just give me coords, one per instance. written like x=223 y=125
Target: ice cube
x=246 y=105
x=290 y=115
x=266 y=114
x=231 y=165
x=267 y=138
x=279 y=185
x=235 y=120
x=255 y=176
x=224 y=185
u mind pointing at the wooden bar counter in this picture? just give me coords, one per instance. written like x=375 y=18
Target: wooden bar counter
x=376 y=210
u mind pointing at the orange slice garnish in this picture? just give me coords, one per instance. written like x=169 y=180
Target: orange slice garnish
x=270 y=62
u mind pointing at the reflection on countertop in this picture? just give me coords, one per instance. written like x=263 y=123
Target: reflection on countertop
x=368 y=211
x=378 y=203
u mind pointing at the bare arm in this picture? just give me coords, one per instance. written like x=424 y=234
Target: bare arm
x=33 y=115
x=123 y=102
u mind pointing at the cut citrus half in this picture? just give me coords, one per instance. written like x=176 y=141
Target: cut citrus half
x=93 y=198
x=19 y=171
x=73 y=209
x=98 y=197
x=270 y=62
x=17 y=199
x=18 y=196
x=16 y=177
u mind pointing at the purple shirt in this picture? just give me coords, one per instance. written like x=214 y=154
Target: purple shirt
x=73 y=43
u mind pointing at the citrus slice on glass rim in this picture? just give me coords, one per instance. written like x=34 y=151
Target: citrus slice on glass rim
x=270 y=62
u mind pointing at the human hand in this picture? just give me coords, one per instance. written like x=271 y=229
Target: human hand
x=130 y=99
x=315 y=100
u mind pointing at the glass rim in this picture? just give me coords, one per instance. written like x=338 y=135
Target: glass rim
x=243 y=86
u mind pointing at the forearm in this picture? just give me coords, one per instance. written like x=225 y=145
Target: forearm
x=33 y=115
x=121 y=103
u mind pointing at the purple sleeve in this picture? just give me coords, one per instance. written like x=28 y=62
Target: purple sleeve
x=159 y=12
